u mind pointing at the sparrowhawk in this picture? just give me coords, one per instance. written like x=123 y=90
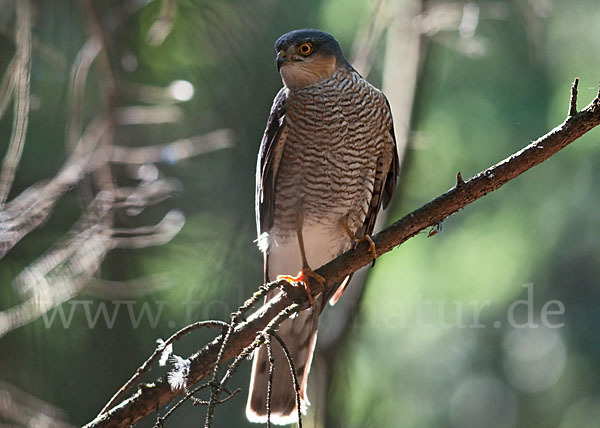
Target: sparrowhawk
x=327 y=162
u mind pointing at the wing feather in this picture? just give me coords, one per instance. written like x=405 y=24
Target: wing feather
x=269 y=155
x=386 y=177
x=392 y=174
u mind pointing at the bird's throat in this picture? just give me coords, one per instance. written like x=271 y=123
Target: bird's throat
x=299 y=74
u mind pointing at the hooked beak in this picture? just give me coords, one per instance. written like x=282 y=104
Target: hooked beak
x=282 y=59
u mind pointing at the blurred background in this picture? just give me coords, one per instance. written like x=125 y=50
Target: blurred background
x=130 y=213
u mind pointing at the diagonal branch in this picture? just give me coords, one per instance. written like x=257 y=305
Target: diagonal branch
x=149 y=398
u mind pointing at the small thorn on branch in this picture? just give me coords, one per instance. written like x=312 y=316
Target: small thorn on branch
x=573 y=103
x=435 y=230
x=459 y=180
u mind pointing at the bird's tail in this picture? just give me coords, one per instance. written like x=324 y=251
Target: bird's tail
x=299 y=335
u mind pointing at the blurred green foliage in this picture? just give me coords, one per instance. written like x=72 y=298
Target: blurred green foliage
x=405 y=364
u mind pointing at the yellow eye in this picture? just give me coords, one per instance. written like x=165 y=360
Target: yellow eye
x=305 y=49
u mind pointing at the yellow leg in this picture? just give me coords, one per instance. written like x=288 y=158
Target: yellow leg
x=306 y=272
x=352 y=235
x=372 y=247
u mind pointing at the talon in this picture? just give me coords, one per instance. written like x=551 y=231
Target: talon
x=372 y=247
x=357 y=241
x=303 y=277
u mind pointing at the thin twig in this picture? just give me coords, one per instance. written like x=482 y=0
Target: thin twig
x=157 y=352
x=288 y=356
x=189 y=395
x=262 y=291
x=246 y=352
x=270 y=382
x=161 y=420
x=230 y=395
x=215 y=387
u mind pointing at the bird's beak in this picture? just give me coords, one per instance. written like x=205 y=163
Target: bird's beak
x=282 y=59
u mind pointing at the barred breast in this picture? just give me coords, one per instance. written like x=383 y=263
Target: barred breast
x=335 y=132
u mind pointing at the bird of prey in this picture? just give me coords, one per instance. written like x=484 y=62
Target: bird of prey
x=327 y=162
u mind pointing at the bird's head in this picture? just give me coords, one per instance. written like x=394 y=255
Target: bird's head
x=305 y=57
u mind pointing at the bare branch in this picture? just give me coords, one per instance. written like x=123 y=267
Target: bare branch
x=84 y=60
x=176 y=150
x=147 y=236
x=147 y=193
x=293 y=298
x=33 y=206
x=159 y=349
x=51 y=54
x=478 y=186
x=148 y=115
x=22 y=71
x=7 y=85
x=79 y=72
x=68 y=266
x=57 y=277
x=64 y=270
x=162 y=26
